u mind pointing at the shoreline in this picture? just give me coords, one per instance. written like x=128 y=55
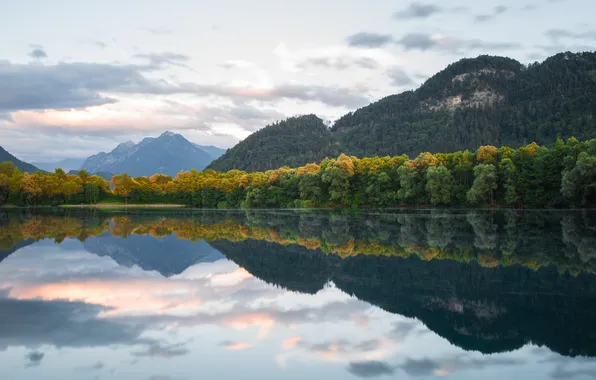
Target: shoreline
x=124 y=206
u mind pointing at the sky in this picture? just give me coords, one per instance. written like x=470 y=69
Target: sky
x=79 y=77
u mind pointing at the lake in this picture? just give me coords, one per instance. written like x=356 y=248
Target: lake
x=159 y=295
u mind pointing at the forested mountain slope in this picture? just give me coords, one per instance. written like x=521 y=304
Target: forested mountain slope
x=23 y=166
x=291 y=142
x=481 y=101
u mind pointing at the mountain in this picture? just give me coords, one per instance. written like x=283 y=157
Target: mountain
x=105 y=175
x=169 y=154
x=213 y=151
x=481 y=101
x=292 y=142
x=67 y=164
x=23 y=166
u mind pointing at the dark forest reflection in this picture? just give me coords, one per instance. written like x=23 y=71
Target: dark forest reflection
x=486 y=282
x=565 y=240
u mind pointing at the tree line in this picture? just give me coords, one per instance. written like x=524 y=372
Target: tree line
x=530 y=176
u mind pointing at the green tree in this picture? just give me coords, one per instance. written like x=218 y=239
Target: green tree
x=508 y=174
x=579 y=184
x=91 y=193
x=485 y=183
x=439 y=185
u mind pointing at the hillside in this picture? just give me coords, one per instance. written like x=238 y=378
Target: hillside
x=291 y=142
x=481 y=101
x=169 y=154
x=23 y=166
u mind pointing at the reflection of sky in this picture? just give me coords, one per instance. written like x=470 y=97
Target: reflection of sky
x=68 y=314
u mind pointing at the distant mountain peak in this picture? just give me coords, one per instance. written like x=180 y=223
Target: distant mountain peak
x=169 y=154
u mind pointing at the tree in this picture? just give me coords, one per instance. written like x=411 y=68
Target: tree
x=339 y=185
x=123 y=185
x=579 y=184
x=439 y=185
x=4 y=188
x=91 y=192
x=485 y=183
x=508 y=174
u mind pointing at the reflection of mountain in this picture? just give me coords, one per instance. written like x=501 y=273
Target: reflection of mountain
x=485 y=309
x=167 y=255
x=484 y=281
x=4 y=253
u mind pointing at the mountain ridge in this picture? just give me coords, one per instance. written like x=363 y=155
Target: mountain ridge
x=486 y=100
x=168 y=154
x=23 y=166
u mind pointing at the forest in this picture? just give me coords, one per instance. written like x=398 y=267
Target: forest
x=473 y=102
x=531 y=176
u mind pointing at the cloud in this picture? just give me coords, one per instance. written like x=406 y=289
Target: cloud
x=34 y=358
x=417 y=10
x=369 y=40
x=399 y=78
x=236 y=64
x=99 y=44
x=498 y=10
x=157 y=350
x=370 y=369
x=424 y=42
x=38 y=53
x=235 y=346
x=159 y=31
x=67 y=86
x=164 y=59
x=557 y=34
x=341 y=62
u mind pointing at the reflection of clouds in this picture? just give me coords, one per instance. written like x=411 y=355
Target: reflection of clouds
x=561 y=370
x=290 y=343
x=33 y=323
x=338 y=351
x=157 y=350
x=370 y=369
x=448 y=365
x=33 y=358
x=232 y=278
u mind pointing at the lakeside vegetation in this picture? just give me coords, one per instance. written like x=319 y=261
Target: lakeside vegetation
x=535 y=240
x=530 y=176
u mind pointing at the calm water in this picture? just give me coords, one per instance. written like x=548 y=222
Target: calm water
x=287 y=295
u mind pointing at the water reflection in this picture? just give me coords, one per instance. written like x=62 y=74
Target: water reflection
x=297 y=295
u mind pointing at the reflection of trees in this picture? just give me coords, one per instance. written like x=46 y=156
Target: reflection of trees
x=453 y=271
x=485 y=230
x=532 y=239
x=580 y=236
x=485 y=309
